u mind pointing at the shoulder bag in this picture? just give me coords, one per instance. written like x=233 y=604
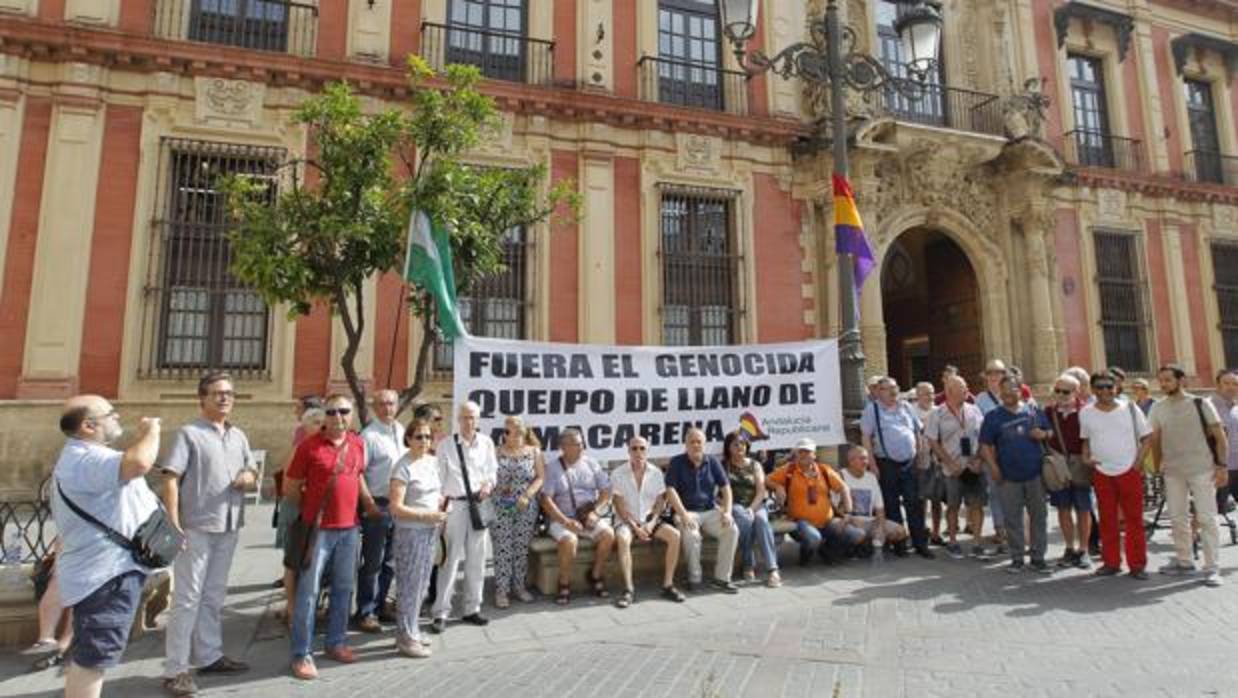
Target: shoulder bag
x=1203 y=424
x=479 y=516
x=1080 y=472
x=301 y=535
x=155 y=544
x=1054 y=467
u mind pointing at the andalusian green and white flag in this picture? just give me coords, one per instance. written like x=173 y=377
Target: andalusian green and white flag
x=429 y=265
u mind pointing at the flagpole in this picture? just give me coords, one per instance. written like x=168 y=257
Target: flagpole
x=850 y=346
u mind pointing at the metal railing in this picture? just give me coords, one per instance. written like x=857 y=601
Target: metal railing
x=499 y=55
x=948 y=107
x=27 y=530
x=263 y=25
x=688 y=84
x=1211 y=166
x=1098 y=149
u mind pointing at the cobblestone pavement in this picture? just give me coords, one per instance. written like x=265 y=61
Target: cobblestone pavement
x=898 y=628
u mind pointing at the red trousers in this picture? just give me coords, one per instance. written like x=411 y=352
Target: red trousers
x=1125 y=492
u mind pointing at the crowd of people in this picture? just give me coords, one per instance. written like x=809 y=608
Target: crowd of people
x=404 y=510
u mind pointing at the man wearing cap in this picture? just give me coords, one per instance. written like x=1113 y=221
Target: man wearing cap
x=804 y=487
x=891 y=432
x=988 y=401
x=1194 y=468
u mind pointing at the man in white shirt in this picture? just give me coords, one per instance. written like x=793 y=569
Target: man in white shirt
x=384 y=445
x=99 y=579
x=463 y=542
x=953 y=431
x=867 y=511
x=641 y=496
x=1115 y=440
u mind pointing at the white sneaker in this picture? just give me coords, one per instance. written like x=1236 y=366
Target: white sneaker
x=413 y=649
x=1212 y=577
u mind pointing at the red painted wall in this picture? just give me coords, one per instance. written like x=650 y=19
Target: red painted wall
x=758 y=87
x=116 y=197
x=1200 y=329
x=23 y=231
x=625 y=49
x=52 y=10
x=1162 y=323
x=332 y=30
x=565 y=41
x=777 y=252
x=564 y=258
x=136 y=16
x=1069 y=253
x=627 y=252
x=1171 y=94
x=311 y=359
x=1046 y=59
x=405 y=30
x=391 y=333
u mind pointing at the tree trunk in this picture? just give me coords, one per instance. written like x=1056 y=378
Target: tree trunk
x=412 y=392
x=353 y=329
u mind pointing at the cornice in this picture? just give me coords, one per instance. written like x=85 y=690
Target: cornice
x=55 y=42
x=1152 y=186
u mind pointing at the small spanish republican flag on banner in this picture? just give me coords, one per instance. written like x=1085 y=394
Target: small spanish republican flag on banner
x=849 y=231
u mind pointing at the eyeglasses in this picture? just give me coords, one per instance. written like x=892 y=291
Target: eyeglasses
x=223 y=394
x=1063 y=392
x=636 y=448
x=338 y=411
x=105 y=415
x=422 y=437
x=438 y=418
x=1104 y=386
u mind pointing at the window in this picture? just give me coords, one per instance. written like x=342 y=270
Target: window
x=258 y=24
x=496 y=305
x=1225 y=271
x=700 y=269
x=197 y=315
x=1204 y=137
x=1123 y=317
x=930 y=107
x=489 y=34
x=689 y=54
x=1093 y=145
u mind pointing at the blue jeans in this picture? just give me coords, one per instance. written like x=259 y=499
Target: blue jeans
x=900 y=484
x=377 y=566
x=754 y=531
x=834 y=539
x=338 y=547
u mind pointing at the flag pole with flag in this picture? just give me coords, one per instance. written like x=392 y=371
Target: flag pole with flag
x=428 y=264
x=849 y=235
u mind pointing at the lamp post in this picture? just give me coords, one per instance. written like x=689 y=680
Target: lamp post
x=831 y=60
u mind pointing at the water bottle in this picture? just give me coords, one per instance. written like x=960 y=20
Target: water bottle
x=879 y=552
x=12 y=547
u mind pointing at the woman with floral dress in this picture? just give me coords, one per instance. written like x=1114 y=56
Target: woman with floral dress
x=519 y=478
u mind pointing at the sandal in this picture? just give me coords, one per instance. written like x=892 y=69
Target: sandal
x=565 y=594
x=672 y=594
x=599 y=586
x=625 y=599
x=48 y=661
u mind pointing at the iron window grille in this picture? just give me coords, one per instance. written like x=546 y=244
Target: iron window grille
x=496 y=305
x=698 y=248
x=1123 y=306
x=1225 y=272
x=196 y=315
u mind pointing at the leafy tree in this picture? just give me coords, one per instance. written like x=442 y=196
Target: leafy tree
x=320 y=240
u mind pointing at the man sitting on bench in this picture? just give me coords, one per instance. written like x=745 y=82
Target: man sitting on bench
x=641 y=497
x=576 y=488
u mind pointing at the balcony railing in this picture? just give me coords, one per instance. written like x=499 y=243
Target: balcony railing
x=687 y=84
x=1211 y=166
x=499 y=55
x=949 y=107
x=1099 y=149
x=263 y=25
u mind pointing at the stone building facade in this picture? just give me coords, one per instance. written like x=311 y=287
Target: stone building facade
x=1000 y=222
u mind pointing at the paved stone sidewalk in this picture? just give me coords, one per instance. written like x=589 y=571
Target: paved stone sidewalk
x=899 y=628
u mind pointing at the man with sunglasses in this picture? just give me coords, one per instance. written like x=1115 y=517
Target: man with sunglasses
x=1073 y=502
x=99 y=580
x=1114 y=436
x=326 y=478
x=1190 y=448
x=208 y=470
x=384 y=445
x=641 y=498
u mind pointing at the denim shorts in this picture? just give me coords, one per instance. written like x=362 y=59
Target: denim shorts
x=1076 y=498
x=102 y=620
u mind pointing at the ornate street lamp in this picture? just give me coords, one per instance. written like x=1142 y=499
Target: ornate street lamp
x=831 y=60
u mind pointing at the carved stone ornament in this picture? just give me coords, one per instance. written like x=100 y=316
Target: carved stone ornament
x=1224 y=218
x=1023 y=115
x=497 y=136
x=220 y=99
x=1111 y=205
x=1123 y=25
x=698 y=152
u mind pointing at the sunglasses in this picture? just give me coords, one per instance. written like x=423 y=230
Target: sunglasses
x=422 y=437
x=1063 y=392
x=337 y=411
x=1104 y=386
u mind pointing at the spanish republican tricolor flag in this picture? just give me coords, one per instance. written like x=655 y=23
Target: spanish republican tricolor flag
x=849 y=231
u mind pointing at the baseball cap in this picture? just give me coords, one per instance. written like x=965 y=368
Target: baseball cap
x=995 y=365
x=806 y=444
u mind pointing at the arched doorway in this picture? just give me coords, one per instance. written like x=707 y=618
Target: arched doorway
x=931 y=303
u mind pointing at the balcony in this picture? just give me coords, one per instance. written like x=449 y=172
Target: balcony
x=948 y=107
x=686 y=84
x=1098 y=149
x=499 y=55
x=262 y=25
x=1212 y=167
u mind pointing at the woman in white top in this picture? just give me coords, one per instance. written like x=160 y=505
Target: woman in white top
x=419 y=510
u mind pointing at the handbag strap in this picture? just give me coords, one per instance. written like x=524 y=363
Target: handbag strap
x=464 y=469
x=1203 y=424
x=1057 y=430
x=326 y=493
x=880 y=435
x=111 y=533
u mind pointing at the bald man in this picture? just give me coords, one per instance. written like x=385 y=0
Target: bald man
x=99 y=579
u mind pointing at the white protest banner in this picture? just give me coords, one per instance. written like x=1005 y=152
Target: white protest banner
x=612 y=393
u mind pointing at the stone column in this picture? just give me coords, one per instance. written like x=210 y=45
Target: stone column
x=1038 y=227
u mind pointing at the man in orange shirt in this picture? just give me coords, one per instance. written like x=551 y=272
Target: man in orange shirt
x=803 y=487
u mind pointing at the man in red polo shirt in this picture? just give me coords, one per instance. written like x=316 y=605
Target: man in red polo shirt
x=326 y=477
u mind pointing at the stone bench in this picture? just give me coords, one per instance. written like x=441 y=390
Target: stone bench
x=646 y=560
